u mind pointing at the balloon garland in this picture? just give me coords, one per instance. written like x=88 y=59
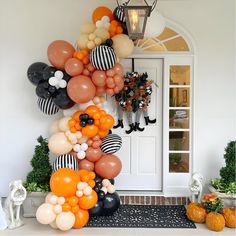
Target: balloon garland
x=82 y=182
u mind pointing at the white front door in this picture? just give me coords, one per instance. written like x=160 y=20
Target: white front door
x=141 y=152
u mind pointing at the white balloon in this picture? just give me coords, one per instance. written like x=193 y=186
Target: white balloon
x=87 y=191
x=99 y=24
x=48 y=197
x=53 y=225
x=79 y=193
x=111 y=189
x=155 y=25
x=53 y=199
x=62 y=83
x=53 y=81
x=61 y=200
x=81 y=155
x=59 y=74
x=65 y=220
x=57 y=209
x=45 y=214
x=84 y=146
x=105 y=19
x=104 y=189
x=77 y=147
x=106 y=183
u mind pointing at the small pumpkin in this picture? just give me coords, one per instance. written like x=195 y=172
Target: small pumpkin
x=196 y=213
x=215 y=221
x=230 y=217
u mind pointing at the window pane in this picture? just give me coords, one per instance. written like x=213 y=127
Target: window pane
x=179 y=97
x=179 y=75
x=167 y=33
x=179 y=140
x=177 y=44
x=179 y=162
x=179 y=119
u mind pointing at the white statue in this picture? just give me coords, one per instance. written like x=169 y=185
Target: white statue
x=12 y=205
x=195 y=187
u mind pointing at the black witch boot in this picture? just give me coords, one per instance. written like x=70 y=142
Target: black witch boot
x=148 y=121
x=132 y=128
x=138 y=128
x=120 y=124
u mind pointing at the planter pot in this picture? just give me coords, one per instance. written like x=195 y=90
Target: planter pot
x=32 y=202
x=228 y=199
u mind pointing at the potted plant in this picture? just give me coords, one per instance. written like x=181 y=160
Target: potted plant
x=225 y=186
x=37 y=181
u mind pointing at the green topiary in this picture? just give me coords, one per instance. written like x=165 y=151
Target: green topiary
x=38 y=179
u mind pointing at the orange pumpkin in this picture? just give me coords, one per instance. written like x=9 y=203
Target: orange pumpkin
x=215 y=221
x=230 y=217
x=196 y=213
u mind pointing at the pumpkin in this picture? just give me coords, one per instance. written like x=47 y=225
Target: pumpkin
x=215 y=221
x=230 y=217
x=196 y=213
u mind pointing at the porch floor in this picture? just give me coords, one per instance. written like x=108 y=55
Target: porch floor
x=32 y=227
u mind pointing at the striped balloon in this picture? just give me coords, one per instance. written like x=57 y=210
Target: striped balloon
x=65 y=161
x=47 y=106
x=119 y=13
x=111 y=144
x=103 y=57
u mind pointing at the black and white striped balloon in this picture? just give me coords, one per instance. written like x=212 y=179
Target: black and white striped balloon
x=65 y=161
x=111 y=144
x=119 y=13
x=103 y=57
x=47 y=106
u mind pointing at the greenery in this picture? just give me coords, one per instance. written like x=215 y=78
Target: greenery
x=211 y=203
x=227 y=181
x=38 y=179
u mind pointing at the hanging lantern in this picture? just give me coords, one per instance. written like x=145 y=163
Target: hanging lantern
x=136 y=18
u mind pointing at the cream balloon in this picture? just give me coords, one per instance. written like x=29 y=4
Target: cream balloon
x=102 y=33
x=87 y=28
x=48 y=197
x=53 y=225
x=45 y=214
x=82 y=41
x=63 y=124
x=58 y=144
x=54 y=127
x=65 y=220
x=122 y=45
x=155 y=25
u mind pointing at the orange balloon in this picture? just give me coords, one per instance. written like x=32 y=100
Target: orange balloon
x=92 y=175
x=107 y=123
x=73 y=201
x=75 y=209
x=88 y=202
x=92 y=110
x=99 y=12
x=103 y=133
x=66 y=207
x=90 y=131
x=81 y=219
x=91 y=183
x=64 y=182
x=82 y=172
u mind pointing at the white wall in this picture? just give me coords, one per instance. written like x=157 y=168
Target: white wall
x=28 y=26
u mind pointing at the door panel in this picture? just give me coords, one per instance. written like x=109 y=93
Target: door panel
x=141 y=152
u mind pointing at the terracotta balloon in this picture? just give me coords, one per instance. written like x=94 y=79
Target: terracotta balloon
x=99 y=78
x=93 y=154
x=58 y=144
x=118 y=68
x=74 y=67
x=81 y=89
x=86 y=165
x=63 y=182
x=100 y=91
x=81 y=219
x=59 y=52
x=88 y=202
x=108 y=166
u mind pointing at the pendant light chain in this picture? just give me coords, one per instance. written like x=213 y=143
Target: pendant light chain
x=152 y=7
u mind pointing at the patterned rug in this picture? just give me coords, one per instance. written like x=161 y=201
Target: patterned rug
x=145 y=216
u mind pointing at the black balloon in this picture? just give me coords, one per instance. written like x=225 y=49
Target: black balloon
x=124 y=26
x=83 y=123
x=90 y=121
x=97 y=210
x=96 y=189
x=49 y=72
x=42 y=90
x=111 y=203
x=62 y=99
x=112 y=181
x=35 y=72
x=101 y=195
x=99 y=185
x=98 y=179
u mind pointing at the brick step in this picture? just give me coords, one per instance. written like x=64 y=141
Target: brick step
x=153 y=200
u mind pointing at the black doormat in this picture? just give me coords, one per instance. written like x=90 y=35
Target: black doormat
x=145 y=216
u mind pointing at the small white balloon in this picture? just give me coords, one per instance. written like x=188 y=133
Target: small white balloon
x=65 y=220
x=104 y=189
x=77 y=147
x=105 y=19
x=81 y=155
x=84 y=146
x=61 y=200
x=106 y=183
x=57 y=209
x=45 y=214
x=59 y=74
x=107 y=25
x=62 y=83
x=48 y=197
x=99 y=24
x=53 y=199
x=53 y=81
x=87 y=191
x=79 y=193
x=80 y=186
x=78 y=135
x=111 y=189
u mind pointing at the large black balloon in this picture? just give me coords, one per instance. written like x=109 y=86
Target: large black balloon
x=62 y=99
x=97 y=210
x=49 y=72
x=35 y=72
x=42 y=90
x=111 y=203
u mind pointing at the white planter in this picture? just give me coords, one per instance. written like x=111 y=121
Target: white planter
x=32 y=202
x=228 y=199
